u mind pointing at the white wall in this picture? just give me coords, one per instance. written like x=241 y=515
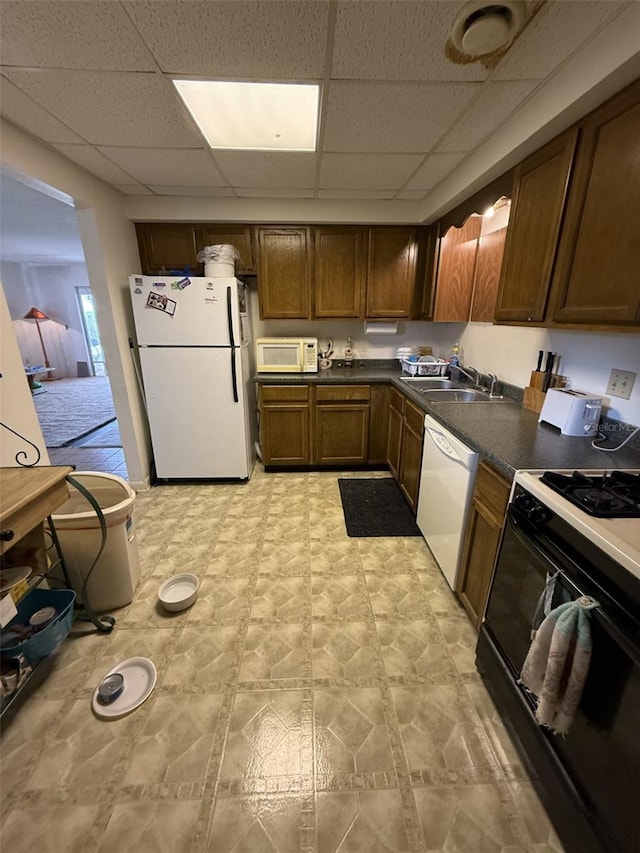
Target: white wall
x=511 y=352
x=111 y=254
x=16 y=406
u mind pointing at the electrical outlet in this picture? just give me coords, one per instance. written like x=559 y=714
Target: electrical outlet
x=621 y=383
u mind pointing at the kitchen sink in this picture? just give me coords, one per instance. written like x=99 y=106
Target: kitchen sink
x=458 y=395
x=424 y=383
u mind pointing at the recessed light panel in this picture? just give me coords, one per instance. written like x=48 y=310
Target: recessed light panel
x=254 y=116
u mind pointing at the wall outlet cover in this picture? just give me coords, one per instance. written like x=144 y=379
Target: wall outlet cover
x=621 y=383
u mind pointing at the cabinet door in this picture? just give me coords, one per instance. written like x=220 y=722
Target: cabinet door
x=428 y=241
x=341 y=433
x=482 y=539
x=597 y=279
x=339 y=266
x=239 y=236
x=378 y=424
x=166 y=246
x=488 y=266
x=456 y=271
x=394 y=440
x=283 y=273
x=537 y=206
x=391 y=272
x=284 y=433
x=410 y=460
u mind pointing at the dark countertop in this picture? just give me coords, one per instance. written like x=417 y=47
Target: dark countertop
x=506 y=435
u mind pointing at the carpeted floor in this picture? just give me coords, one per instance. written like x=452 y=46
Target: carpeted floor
x=71 y=408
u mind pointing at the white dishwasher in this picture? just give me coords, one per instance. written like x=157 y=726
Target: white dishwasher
x=446 y=484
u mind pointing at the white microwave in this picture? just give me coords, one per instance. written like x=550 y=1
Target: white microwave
x=287 y=355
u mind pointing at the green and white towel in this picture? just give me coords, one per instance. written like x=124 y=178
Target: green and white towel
x=557 y=664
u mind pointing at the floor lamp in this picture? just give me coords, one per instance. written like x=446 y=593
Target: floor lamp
x=35 y=314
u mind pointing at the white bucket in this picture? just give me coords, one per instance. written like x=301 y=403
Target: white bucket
x=219 y=269
x=219 y=260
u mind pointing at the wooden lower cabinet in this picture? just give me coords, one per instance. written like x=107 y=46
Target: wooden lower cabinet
x=404 y=445
x=341 y=422
x=394 y=432
x=482 y=540
x=284 y=424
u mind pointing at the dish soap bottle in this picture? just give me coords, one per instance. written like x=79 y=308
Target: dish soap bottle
x=456 y=354
x=348 y=353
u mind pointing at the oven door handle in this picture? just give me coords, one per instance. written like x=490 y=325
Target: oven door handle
x=607 y=624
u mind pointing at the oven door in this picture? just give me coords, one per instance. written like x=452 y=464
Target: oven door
x=601 y=752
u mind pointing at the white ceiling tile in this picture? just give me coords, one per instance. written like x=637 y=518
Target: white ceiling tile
x=94 y=161
x=494 y=104
x=556 y=32
x=80 y=34
x=411 y=195
x=111 y=108
x=164 y=167
x=133 y=189
x=207 y=192
x=235 y=39
x=392 y=118
x=18 y=108
x=366 y=171
x=385 y=40
x=268 y=169
x=364 y=194
x=433 y=170
x=260 y=192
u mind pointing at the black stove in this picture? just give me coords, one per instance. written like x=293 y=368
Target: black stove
x=615 y=494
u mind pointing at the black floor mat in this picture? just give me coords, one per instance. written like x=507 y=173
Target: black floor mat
x=376 y=507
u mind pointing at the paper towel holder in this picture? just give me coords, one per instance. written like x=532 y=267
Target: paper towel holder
x=372 y=327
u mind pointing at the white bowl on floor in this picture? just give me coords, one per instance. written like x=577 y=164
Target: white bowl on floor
x=179 y=592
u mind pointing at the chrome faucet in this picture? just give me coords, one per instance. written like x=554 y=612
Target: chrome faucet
x=493 y=379
x=464 y=370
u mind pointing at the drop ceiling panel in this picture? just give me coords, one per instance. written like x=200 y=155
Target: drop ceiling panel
x=261 y=192
x=95 y=162
x=210 y=192
x=111 y=108
x=366 y=171
x=411 y=195
x=268 y=169
x=133 y=189
x=553 y=35
x=97 y=35
x=392 y=118
x=362 y=194
x=397 y=41
x=17 y=107
x=494 y=104
x=235 y=39
x=433 y=170
x=164 y=167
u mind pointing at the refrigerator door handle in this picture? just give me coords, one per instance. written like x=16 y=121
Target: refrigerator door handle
x=234 y=378
x=230 y=319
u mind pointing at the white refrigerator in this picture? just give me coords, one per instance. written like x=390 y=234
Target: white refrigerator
x=193 y=340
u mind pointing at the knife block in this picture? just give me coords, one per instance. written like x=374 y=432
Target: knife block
x=533 y=397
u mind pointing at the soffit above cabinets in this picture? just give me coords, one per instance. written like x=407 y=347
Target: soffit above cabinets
x=92 y=78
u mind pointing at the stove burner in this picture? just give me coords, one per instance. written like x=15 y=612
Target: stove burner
x=612 y=495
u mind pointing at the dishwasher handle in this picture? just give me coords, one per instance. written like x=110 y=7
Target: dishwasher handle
x=444 y=446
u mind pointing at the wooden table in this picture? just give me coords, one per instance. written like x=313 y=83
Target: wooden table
x=27 y=497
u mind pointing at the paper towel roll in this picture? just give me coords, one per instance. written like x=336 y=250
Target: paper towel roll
x=389 y=328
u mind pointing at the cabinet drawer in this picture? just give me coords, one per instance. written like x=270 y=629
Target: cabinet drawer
x=284 y=393
x=413 y=417
x=331 y=393
x=492 y=489
x=396 y=400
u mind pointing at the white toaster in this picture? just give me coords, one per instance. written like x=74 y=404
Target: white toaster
x=573 y=412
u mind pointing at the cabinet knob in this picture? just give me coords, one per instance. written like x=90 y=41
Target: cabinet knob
x=6 y=535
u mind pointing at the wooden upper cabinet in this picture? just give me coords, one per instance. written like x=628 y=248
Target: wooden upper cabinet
x=339 y=266
x=284 y=280
x=538 y=201
x=456 y=272
x=488 y=266
x=239 y=236
x=391 y=272
x=597 y=278
x=166 y=246
x=426 y=275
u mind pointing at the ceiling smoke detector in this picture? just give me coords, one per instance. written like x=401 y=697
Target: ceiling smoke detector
x=482 y=27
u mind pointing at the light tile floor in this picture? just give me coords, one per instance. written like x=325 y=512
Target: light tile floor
x=320 y=695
